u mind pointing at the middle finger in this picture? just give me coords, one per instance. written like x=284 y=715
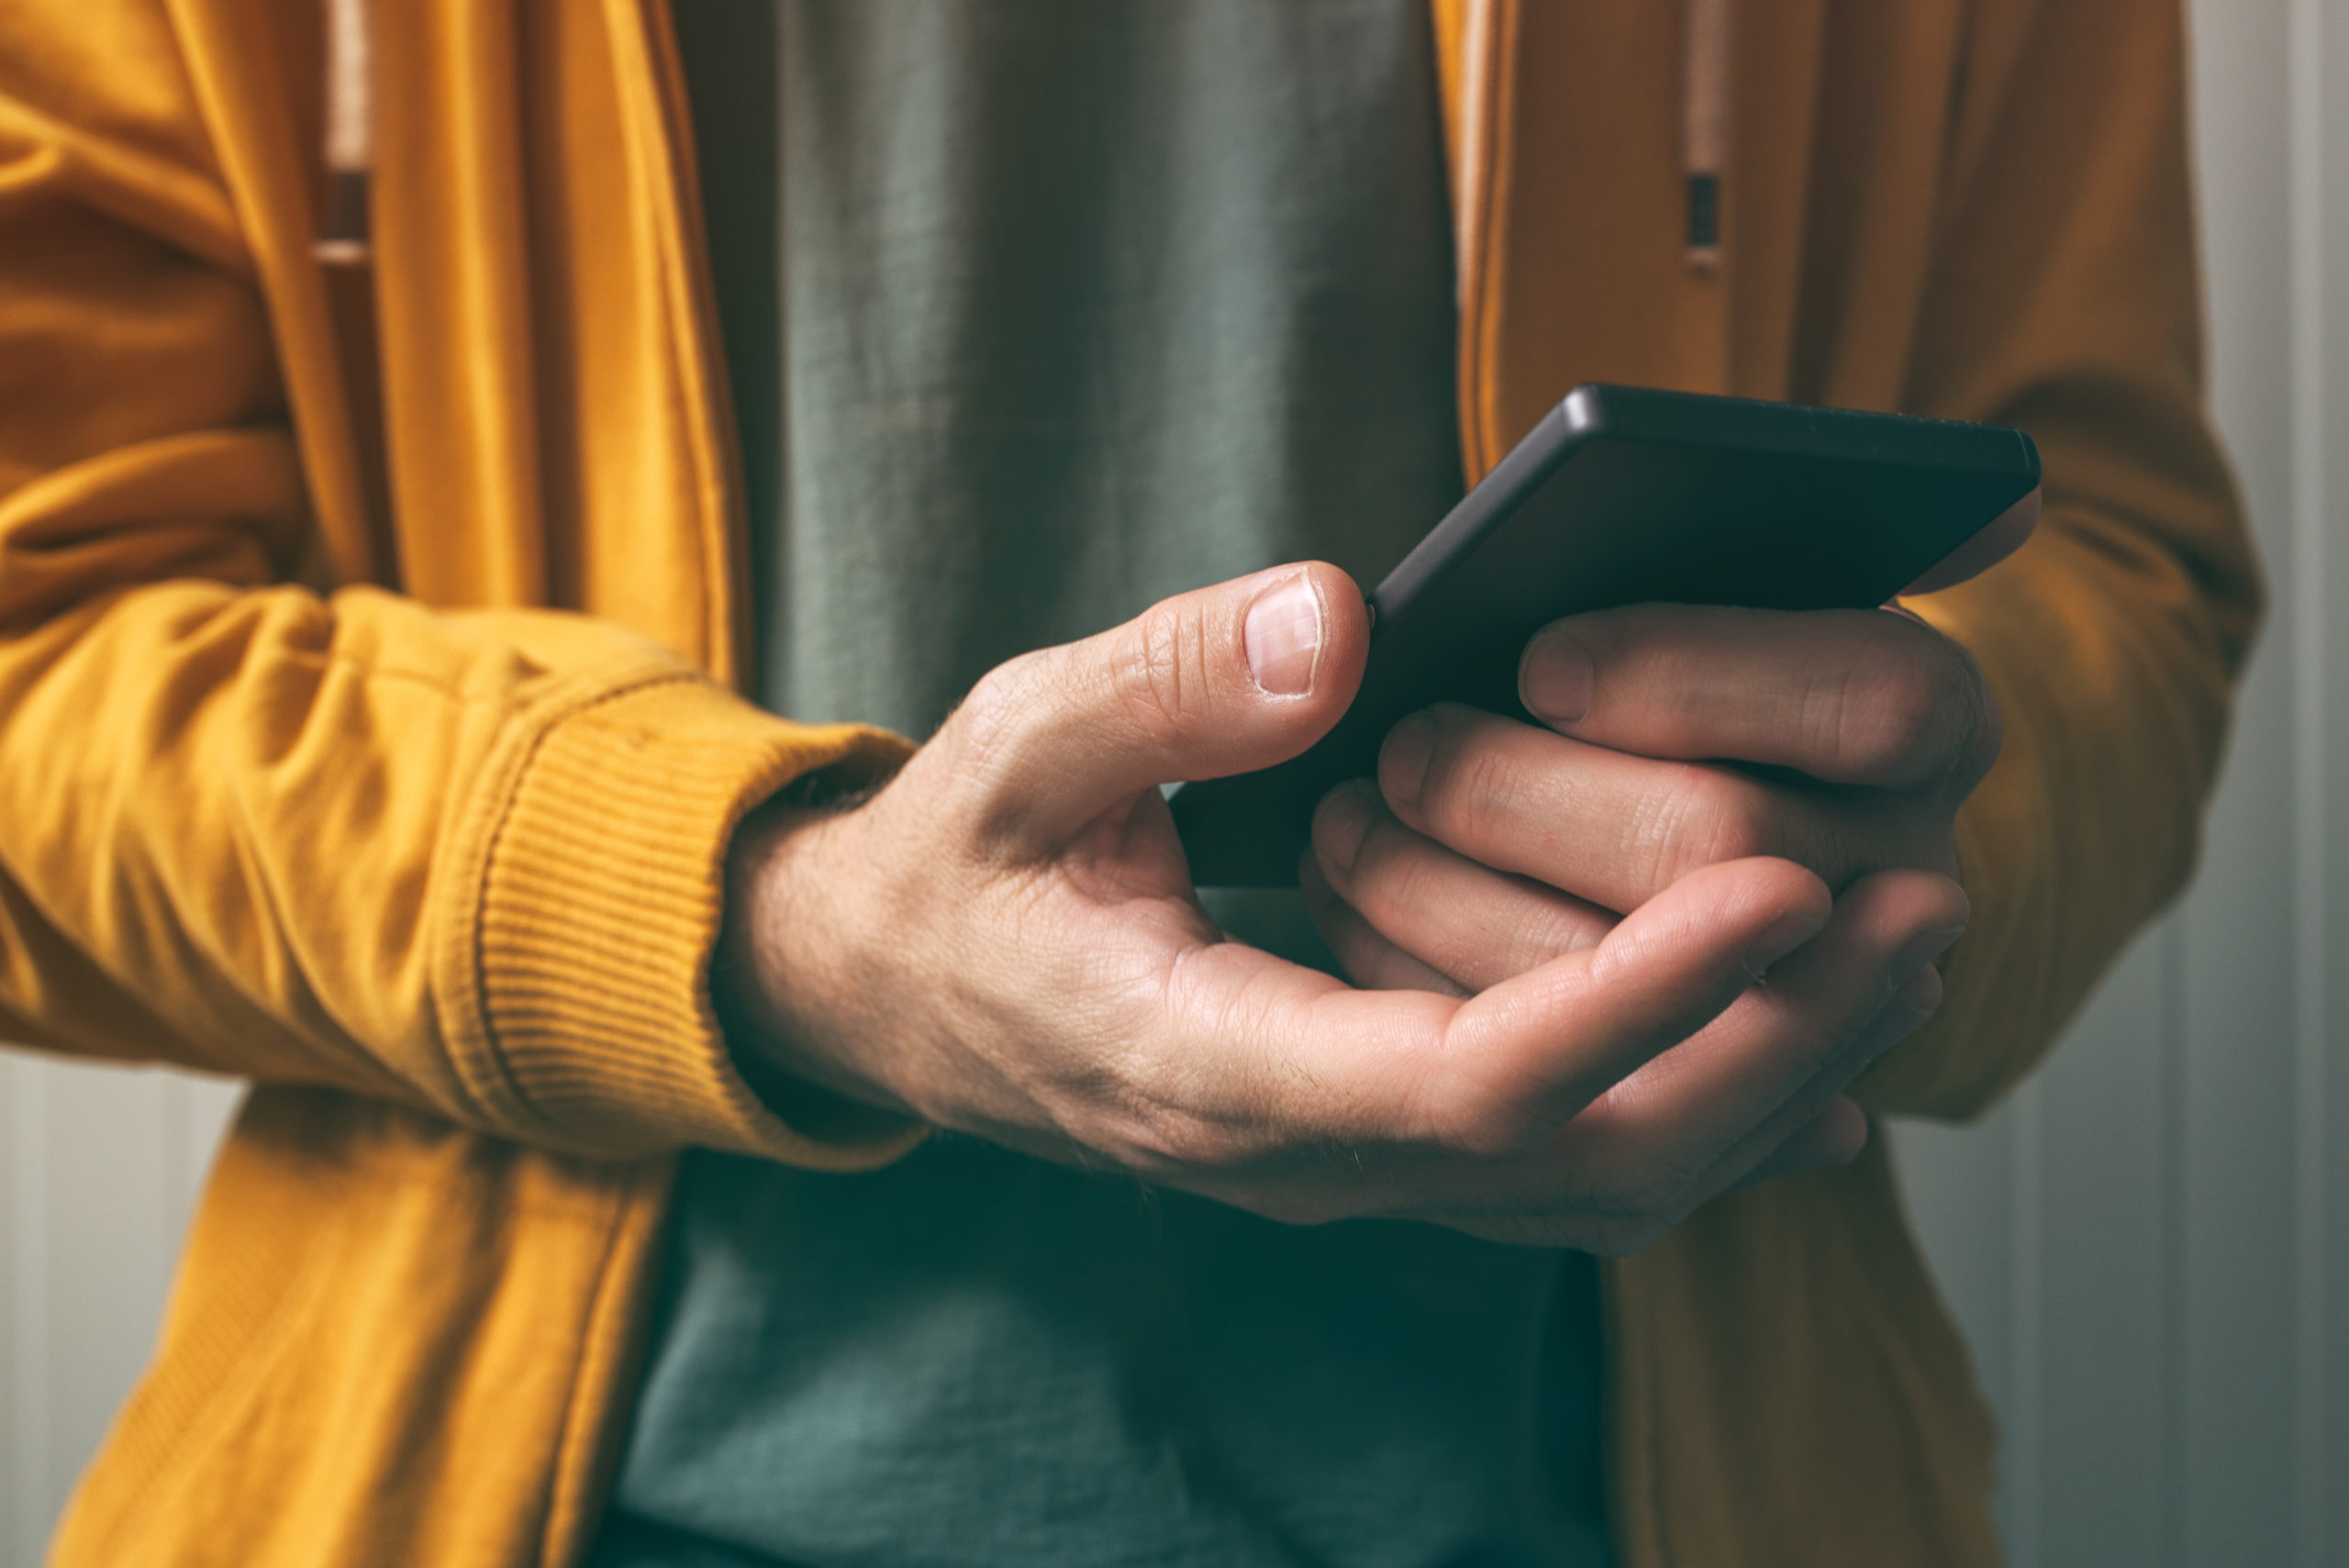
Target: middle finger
x=1474 y=925
x=1615 y=829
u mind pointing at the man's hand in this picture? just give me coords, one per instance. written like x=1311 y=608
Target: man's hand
x=1678 y=738
x=1004 y=941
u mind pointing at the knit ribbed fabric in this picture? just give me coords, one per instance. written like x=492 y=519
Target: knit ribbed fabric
x=601 y=896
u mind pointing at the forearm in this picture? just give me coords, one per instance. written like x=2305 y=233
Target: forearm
x=473 y=862
x=2064 y=299
x=2115 y=686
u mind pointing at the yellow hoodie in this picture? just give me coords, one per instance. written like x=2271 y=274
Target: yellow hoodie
x=437 y=866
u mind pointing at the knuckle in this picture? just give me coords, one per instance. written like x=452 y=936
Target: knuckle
x=1913 y=711
x=1397 y=879
x=1550 y=932
x=1703 y=817
x=1466 y=781
x=1887 y=713
x=1985 y=734
x=1384 y=866
x=1741 y=822
x=988 y=722
x=1160 y=671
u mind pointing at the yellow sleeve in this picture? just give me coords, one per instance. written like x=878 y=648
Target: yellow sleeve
x=467 y=861
x=2063 y=298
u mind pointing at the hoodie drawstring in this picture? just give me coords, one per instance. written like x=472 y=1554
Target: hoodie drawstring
x=1704 y=125
x=345 y=253
x=344 y=247
x=349 y=134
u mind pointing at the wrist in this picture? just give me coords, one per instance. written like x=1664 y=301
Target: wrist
x=769 y=981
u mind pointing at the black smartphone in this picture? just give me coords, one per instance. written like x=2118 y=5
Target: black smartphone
x=1625 y=495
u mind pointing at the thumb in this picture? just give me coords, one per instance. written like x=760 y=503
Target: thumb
x=1224 y=680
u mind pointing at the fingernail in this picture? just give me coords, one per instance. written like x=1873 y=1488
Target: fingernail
x=1341 y=824
x=1283 y=631
x=1781 y=937
x=1556 y=680
x=1403 y=760
x=1920 y=950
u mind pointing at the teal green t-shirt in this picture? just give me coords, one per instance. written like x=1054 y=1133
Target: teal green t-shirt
x=1039 y=311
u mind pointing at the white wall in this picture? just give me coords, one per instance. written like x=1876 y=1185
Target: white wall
x=2149 y=1247
x=98 y=1170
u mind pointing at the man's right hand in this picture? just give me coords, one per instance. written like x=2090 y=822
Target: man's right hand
x=1004 y=941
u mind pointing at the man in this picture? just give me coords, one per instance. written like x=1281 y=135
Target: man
x=503 y=907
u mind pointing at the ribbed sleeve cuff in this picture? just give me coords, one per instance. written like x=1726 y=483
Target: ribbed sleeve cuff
x=576 y=973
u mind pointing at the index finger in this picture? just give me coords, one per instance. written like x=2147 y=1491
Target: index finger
x=1847 y=696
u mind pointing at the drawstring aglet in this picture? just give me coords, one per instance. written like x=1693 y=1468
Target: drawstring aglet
x=1704 y=125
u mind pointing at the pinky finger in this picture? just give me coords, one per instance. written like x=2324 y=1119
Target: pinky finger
x=1836 y=1135
x=1836 y=1132
x=1370 y=960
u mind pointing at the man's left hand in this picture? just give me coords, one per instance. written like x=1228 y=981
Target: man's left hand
x=1674 y=736
x=1677 y=737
